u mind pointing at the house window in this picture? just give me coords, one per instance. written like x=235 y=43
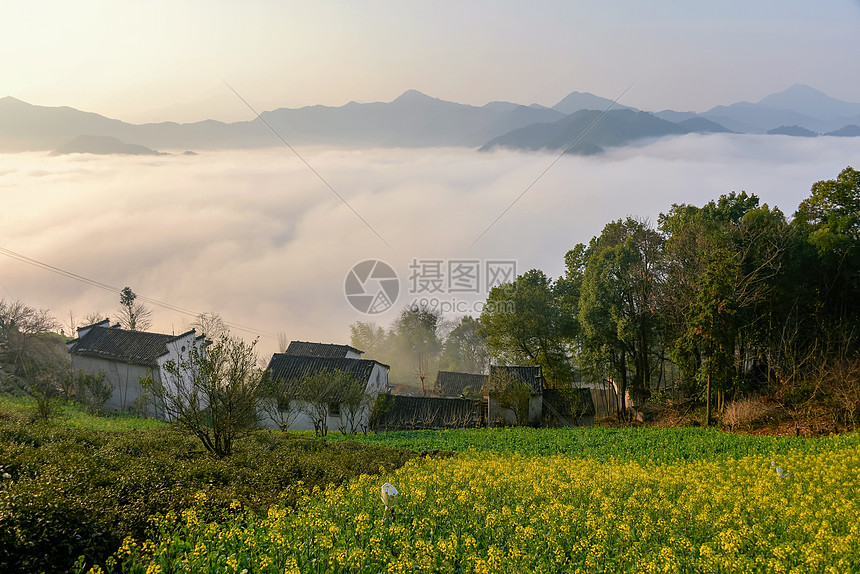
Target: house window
x=334 y=409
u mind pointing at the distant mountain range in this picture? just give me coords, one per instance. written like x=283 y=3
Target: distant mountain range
x=417 y=120
x=104 y=145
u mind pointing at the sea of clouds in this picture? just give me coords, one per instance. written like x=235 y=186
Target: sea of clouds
x=257 y=237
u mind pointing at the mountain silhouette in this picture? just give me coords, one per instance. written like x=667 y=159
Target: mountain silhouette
x=415 y=119
x=103 y=145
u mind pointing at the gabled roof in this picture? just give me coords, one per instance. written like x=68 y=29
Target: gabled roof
x=329 y=350
x=531 y=376
x=451 y=383
x=296 y=367
x=114 y=344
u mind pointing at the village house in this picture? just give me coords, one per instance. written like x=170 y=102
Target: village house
x=454 y=384
x=125 y=357
x=292 y=369
x=531 y=377
x=323 y=350
x=464 y=385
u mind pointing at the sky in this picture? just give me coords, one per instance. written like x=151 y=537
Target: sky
x=256 y=237
x=164 y=60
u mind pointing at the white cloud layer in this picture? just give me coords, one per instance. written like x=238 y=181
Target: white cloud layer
x=256 y=237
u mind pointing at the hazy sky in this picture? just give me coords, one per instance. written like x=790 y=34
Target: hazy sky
x=255 y=236
x=166 y=60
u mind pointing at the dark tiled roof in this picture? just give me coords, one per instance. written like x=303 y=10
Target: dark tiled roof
x=451 y=383
x=133 y=347
x=532 y=377
x=294 y=368
x=431 y=413
x=328 y=350
x=558 y=403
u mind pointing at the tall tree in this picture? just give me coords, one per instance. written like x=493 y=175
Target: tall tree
x=618 y=303
x=133 y=314
x=465 y=349
x=524 y=324
x=416 y=342
x=210 y=324
x=829 y=220
x=726 y=291
x=370 y=338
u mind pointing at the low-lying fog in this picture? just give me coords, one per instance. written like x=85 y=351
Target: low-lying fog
x=258 y=238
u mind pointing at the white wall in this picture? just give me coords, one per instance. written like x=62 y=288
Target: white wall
x=376 y=383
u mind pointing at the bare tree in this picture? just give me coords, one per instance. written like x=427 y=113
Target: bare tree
x=93 y=318
x=841 y=379
x=21 y=328
x=132 y=314
x=320 y=392
x=283 y=342
x=280 y=400
x=354 y=404
x=72 y=324
x=210 y=324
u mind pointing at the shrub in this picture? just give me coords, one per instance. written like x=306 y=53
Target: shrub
x=93 y=390
x=211 y=392
x=76 y=492
x=746 y=412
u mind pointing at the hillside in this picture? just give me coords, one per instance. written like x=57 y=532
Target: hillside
x=103 y=145
x=615 y=128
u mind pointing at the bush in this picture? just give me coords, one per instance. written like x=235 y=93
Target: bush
x=746 y=412
x=211 y=392
x=75 y=492
x=93 y=390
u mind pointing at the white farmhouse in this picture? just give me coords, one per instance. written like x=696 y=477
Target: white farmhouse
x=125 y=357
x=293 y=369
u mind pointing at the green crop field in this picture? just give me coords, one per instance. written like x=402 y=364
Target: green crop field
x=565 y=500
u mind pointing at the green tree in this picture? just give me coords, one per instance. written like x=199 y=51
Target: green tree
x=729 y=254
x=829 y=220
x=324 y=390
x=524 y=324
x=465 y=349
x=280 y=400
x=510 y=393
x=416 y=344
x=618 y=304
x=370 y=338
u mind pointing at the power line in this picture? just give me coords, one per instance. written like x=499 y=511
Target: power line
x=310 y=167
x=83 y=279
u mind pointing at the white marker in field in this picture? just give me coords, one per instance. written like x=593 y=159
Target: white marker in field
x=389 y=499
